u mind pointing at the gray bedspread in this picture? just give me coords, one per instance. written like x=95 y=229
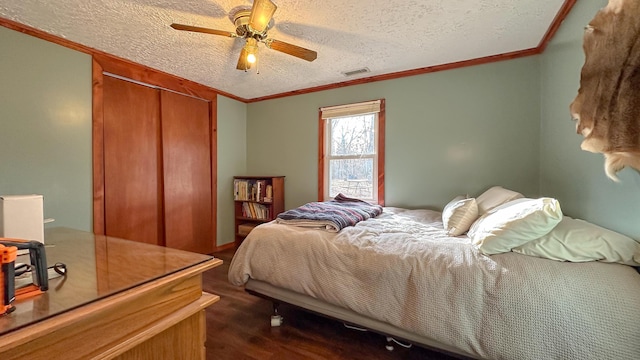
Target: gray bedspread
x=402 y=268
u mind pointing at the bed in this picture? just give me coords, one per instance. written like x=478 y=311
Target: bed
x=403 y=274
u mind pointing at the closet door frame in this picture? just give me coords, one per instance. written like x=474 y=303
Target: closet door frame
x=102 y=64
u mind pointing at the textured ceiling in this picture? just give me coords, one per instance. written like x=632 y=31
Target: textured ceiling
x=385 y=36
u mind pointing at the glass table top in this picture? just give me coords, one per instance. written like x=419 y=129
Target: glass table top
x=97 y=266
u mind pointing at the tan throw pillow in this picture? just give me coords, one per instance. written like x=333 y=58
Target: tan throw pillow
x=578 y=241
x=495 y=197
x=459 y=214
x=514 y=224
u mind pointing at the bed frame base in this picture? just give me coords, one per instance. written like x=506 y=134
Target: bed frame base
x=349 y=318
x=276 y=319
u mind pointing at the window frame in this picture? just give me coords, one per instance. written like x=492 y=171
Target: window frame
x=323 y=151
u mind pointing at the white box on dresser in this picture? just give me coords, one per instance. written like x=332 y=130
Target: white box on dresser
x=22 y=217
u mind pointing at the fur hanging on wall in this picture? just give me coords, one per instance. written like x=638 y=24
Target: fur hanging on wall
x=607 y=107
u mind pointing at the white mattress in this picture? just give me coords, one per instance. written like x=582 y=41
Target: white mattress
x=401 y=268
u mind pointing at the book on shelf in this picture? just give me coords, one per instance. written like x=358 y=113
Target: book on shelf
x=268 y=197
x=260 y=189
x=252 y=210
x=251 y=190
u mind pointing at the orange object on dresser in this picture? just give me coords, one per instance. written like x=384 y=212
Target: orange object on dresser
x=8 y=256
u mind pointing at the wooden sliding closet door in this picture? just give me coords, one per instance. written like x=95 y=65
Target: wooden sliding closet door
x=186 y=152
x=132 y=165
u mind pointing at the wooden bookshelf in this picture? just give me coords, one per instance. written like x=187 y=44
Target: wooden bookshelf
x=258 y=199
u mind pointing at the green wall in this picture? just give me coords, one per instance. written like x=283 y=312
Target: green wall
x=447 y=133
x=574 y=176
x=45 y=126
x=232 y=155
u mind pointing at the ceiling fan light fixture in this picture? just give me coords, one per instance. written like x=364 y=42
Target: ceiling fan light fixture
x=251 y=48
x=261 y=14
x=252 y=26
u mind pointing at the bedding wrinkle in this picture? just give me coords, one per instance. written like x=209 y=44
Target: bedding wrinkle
x=402 y=268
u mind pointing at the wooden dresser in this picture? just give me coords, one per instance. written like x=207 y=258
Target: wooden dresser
x=120 y=299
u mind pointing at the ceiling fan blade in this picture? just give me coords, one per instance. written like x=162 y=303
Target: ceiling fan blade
x=291 y=49
x=261 y=14
x=203 y=30
x=243 y=64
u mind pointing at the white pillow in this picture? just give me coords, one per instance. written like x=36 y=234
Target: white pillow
x=514 y=224
x=578 y=240
x=495 y=197
x=459 y=214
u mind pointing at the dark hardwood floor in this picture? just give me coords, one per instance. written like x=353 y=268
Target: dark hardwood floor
x=238 y=327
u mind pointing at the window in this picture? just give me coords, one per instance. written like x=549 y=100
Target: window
x=351 y=151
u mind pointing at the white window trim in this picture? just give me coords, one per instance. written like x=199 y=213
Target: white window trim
x=356 y=109
x=361 y=108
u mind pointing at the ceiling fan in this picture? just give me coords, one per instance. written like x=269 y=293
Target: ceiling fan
x=252 y=25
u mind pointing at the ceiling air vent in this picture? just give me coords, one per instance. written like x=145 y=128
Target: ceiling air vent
x=356 y=72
